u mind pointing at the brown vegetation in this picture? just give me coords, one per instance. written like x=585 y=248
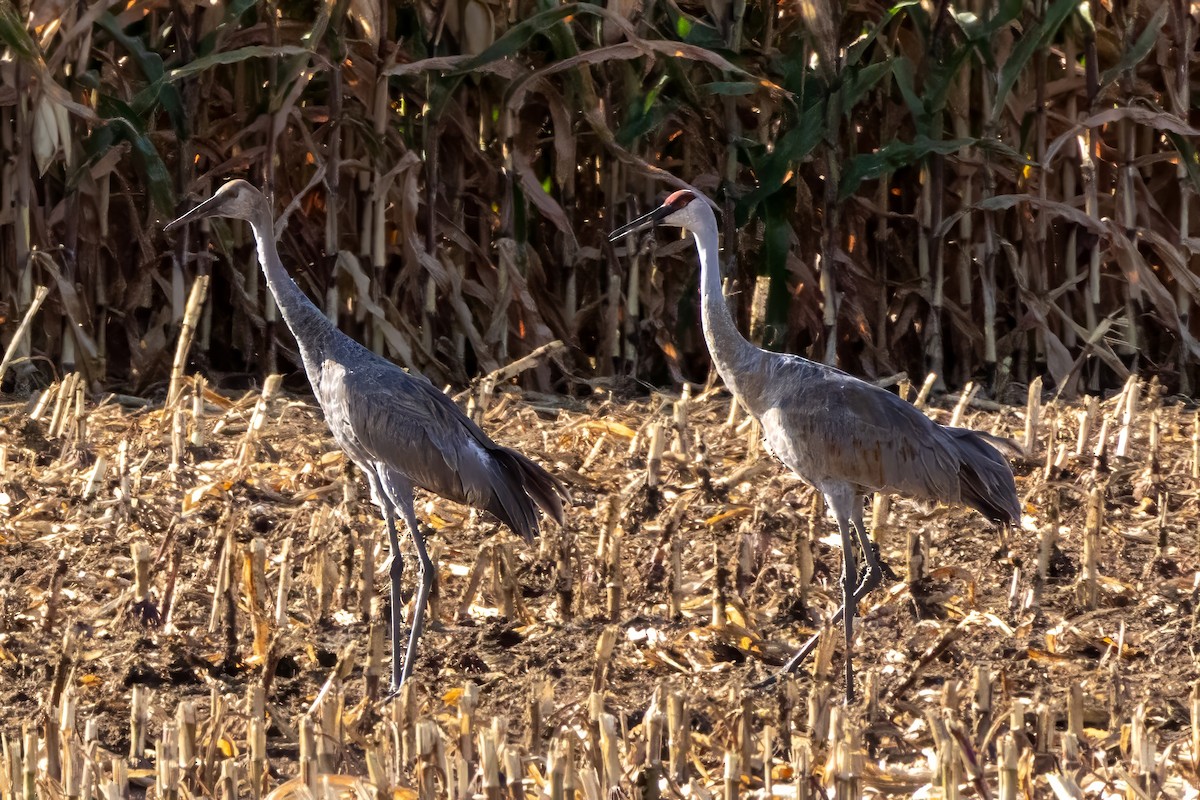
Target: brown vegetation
x=196 y=595
x=995 y=190
x=998 y=194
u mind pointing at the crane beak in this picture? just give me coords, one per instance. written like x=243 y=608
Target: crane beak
x=205 y=209
x=641 y=223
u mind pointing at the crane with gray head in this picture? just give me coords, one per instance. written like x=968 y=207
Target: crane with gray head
x=395 y=425
x=842 y=435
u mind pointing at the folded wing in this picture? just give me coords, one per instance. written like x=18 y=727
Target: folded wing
x=401 y=420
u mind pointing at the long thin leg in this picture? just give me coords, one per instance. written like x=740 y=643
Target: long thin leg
x=849 y=577
x=870 y=581
x=395 y=571
x=874 y=575
x=425 y=581
x=805 y=649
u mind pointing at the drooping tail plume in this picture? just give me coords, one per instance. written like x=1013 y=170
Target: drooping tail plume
x=518 y=484
x=986 y=478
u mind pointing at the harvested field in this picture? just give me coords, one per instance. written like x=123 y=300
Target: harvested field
x=194 y=596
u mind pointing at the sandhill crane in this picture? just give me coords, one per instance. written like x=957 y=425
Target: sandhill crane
x=395 y=425
x=842 y=435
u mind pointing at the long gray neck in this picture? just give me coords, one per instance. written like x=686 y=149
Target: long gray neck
x=735 y=358
x=313 y=331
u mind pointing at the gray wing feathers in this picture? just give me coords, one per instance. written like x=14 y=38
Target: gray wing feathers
x=545 y=489
x=1009 y=448
x=830 y=427
x=517 y=485
x=404 y=422
x=986 y=478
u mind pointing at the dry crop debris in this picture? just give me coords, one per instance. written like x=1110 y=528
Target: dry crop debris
x=192 y=600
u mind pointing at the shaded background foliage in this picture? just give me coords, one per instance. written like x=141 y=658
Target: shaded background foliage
x=990 y=190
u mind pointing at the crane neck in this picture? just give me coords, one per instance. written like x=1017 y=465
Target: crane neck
x=731 y=353
x=314 y=331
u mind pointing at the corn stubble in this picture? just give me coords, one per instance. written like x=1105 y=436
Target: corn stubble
x=199 y=582
x=235 y=646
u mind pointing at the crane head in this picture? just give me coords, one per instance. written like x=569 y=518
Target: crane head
x=237 y=199
x=682 y=209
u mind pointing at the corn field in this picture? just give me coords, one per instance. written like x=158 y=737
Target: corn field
x=991 y=191
x=193 y=604
x=997 y=195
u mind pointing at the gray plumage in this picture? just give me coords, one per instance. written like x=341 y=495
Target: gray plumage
x=395 y=425
x=842 y=435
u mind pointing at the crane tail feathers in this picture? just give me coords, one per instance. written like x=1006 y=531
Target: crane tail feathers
x=519 y=488
x=985 y=477
x=545 y=489
x=1008 y=447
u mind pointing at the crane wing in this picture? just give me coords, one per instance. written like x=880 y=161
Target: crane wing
x=384 y=415
x=840 y=428
x=389 y=418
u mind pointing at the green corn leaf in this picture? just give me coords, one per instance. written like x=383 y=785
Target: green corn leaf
x=777 y=243
x=239 y=7
x=703 y=35
x=730 y=88
x=891 y=157
x=13 y=33
x=859 y=46
x=858 y=81
x=939 y=79
x=653 y=95
x=1141 y=48
x=903 y=4
x=683 y=25
x=943 y=77
x=1036 y=37
x=773 y=169
x=233 y=57
x=123 y=123
x=162 y=92
x=1085 y=16
x=981 y=31
x=902 y=70
x=561 y=37
x=520 y=34
x=548 y=22
x=1187 y=155
x=641 y=119
x=155 y=175
x=150 y=64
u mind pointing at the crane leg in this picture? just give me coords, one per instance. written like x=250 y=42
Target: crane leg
x=424 y=582
x=395 y=572
x=875 y=569
x=385 y=502
x=849 y=590
x=870 y=582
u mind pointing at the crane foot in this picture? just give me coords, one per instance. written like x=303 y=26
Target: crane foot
x=887 y=572
x=767 y=682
